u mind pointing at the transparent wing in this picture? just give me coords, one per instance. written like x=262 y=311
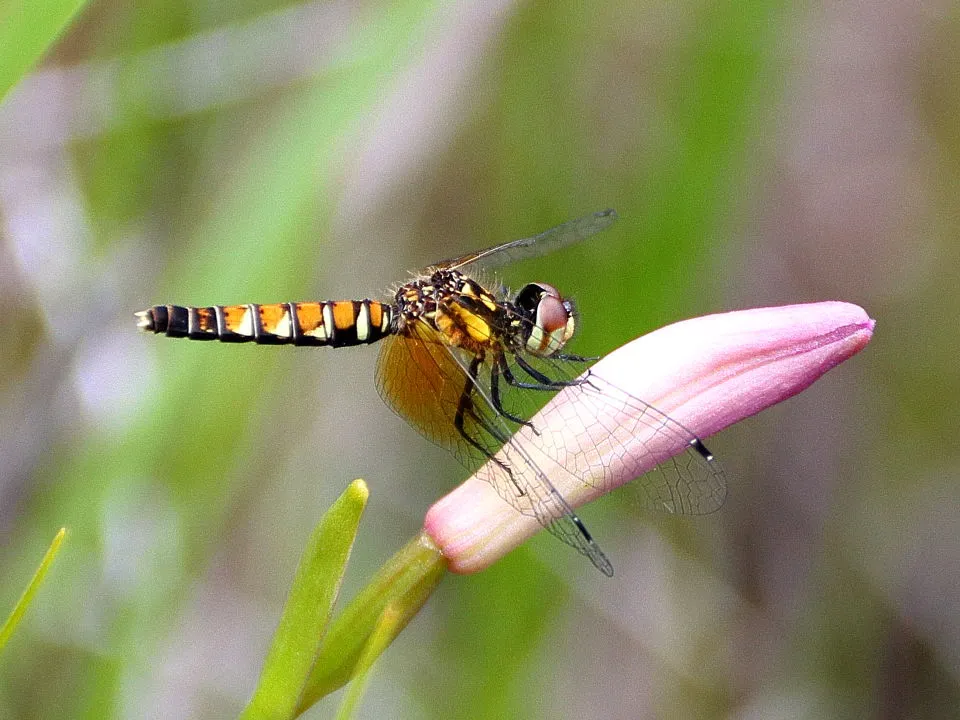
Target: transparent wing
x=636 y=436
x=671 y=469
x=691 y=482
x=546 y=242
x=422 y=378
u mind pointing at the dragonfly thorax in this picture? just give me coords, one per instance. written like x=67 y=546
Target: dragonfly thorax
x=457 y=307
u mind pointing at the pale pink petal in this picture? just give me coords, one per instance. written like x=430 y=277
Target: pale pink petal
x=706 y=373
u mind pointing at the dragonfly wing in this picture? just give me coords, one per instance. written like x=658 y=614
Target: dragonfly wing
x=420 y=383
x=604 y=434
x=422 y=378
x=546 y=242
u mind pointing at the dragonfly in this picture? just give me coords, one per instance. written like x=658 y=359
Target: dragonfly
x=467 y=363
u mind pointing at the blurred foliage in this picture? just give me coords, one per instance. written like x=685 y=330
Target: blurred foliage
x=20 y=609
x=27 y=31
x=204 y=153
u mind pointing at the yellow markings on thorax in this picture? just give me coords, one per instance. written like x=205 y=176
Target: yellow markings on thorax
x=477 y=328
x=458 y=308
x=463 y=327
x=473 y=291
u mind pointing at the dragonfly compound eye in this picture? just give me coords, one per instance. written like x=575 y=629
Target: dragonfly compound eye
x=552 y=318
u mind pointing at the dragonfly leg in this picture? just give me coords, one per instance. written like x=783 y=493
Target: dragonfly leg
x=542 y=381
x=466 y=406
x=501 y=363
x=574 y=358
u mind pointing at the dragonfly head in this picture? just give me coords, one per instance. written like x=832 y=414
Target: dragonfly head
x=551 y=319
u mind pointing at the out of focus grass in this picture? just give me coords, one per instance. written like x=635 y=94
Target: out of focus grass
x=27 y=31
x=20 y=609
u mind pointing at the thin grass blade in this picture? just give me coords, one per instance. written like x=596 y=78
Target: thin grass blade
x=24 y=602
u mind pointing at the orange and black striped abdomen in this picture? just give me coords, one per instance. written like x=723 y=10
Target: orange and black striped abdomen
x=332 y=322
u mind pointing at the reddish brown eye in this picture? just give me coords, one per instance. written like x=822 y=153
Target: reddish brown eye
x=552 y=317
x=551 y=314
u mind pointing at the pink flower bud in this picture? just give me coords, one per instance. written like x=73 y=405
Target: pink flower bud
x=705 y=373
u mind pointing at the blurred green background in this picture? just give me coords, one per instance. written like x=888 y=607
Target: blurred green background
x=191 y=152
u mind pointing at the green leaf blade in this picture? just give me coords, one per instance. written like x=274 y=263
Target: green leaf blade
x=308 y=609
x=404 y=583
x=20 y=609
x=392 y=620
x=27 y=31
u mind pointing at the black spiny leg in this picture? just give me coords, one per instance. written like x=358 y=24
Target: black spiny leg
x=465 y=406
x=501 y=364
x=574 y=358
x=512 y=380
x=542 y=381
